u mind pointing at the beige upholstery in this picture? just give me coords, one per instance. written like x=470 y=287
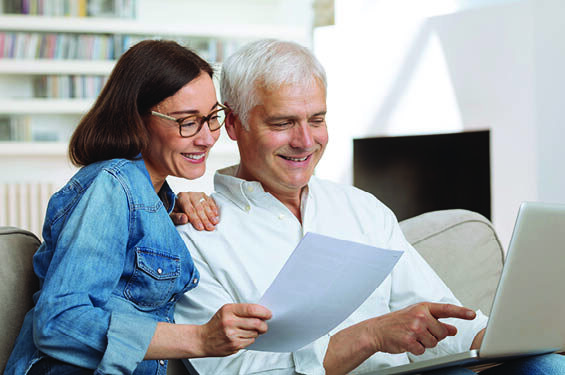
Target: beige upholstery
x=460 y=245
x=463 y=249
x=17 y=284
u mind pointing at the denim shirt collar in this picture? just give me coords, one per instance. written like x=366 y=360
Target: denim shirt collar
x=166 y=194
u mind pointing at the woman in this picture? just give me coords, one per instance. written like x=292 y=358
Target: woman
x=112 y=264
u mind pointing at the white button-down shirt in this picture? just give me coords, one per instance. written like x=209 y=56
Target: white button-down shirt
x=256 y=235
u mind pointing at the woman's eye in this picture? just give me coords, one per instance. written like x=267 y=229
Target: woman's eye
x=188 y=124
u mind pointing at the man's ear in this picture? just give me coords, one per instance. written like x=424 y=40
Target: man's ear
x=232 y=121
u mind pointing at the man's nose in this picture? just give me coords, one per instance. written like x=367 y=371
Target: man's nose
x=302 y=136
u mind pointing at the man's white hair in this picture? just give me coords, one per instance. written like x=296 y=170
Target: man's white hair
x=266 y=64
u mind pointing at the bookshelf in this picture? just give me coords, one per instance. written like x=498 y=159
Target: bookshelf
x=39 y=88
x=212 y=27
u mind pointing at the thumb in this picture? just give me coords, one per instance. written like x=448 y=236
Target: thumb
x=252 y=310
x=179 y=218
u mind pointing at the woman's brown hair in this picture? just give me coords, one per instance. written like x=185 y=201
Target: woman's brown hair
x=145 y=75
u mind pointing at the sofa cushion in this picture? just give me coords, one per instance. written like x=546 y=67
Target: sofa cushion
x=464 y=250
x=18 y=284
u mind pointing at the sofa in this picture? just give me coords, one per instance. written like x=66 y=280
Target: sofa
x=461 y=246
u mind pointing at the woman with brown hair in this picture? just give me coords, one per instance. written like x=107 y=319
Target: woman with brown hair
x=112 y=264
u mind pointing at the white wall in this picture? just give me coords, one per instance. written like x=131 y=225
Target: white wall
x=397 y=67
x=549 y=62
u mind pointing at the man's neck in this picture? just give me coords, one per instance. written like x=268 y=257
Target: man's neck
x=291 y=198
x=292 y=201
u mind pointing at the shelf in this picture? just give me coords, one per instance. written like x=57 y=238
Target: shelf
x=126 y=26
x=33 y=148
x=45 y=106
x=60 y=149
x=50 y=66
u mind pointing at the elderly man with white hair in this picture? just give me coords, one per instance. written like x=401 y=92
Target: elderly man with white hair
x=277 y=95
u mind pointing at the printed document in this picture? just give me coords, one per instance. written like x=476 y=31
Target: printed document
x=321 y=284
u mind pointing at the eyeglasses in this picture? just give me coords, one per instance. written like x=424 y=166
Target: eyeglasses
x=191 y=125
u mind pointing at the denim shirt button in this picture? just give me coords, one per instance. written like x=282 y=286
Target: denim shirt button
x=159 y=271
x=195 y=280
x=162 y=362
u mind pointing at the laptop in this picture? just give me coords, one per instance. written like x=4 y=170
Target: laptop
x=528 y=308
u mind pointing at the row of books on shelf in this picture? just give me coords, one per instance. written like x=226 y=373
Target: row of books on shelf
x=18 y=45
x=83 y=87
x=25 y=45
x=24 y=129
x=72 y=8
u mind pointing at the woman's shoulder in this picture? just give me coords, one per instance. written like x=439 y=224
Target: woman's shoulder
x=118 y=168
x=123 y=171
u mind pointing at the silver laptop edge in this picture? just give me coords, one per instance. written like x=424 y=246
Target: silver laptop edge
x=533 y=270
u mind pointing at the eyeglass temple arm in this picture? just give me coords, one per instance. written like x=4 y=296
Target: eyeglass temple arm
x=163 y=116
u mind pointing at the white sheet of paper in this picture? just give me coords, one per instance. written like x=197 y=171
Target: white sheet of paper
x=321 y=284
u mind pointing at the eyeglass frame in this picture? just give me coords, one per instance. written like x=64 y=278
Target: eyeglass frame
x=203 y=119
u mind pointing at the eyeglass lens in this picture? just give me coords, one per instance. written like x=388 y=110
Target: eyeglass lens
x=192 y=124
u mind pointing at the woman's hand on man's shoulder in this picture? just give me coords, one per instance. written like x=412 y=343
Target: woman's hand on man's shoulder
x=196 y=208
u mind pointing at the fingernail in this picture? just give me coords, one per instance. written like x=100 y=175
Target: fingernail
x=470 y=314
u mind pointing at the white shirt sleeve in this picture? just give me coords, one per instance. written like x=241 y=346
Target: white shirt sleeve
x=413 y=281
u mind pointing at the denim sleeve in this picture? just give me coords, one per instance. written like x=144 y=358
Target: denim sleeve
x=69 y=321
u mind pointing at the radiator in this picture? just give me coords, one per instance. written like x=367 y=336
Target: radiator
x=23 y=205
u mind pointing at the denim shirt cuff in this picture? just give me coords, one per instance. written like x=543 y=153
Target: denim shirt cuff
x=128 y=340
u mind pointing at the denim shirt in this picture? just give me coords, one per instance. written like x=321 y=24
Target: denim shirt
x=111 y=266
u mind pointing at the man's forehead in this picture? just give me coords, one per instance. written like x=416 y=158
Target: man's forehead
x=309 y=97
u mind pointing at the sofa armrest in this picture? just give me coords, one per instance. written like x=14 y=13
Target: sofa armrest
x=18 y=283
x=464 y=250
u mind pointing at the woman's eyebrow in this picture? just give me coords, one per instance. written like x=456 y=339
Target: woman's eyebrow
x=191 y=111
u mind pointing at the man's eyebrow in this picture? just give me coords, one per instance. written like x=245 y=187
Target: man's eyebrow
x=321 y=113
x=292 y=117
x=190 y=111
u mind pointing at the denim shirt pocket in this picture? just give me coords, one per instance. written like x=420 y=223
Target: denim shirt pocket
x=153 y=278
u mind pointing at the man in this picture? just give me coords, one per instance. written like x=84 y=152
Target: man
x=277 y=94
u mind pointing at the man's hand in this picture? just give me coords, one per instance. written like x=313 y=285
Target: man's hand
x=232 y=328
x=198 y=209
x=416 y=327
x=478 y=340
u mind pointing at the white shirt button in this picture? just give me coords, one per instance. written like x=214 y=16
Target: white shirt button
x=161 y=362
x=281 y=216
x=250 y=188
x=248 y=208
x=159 y=271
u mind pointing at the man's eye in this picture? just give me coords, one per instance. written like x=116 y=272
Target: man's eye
x=317 y=122
x=282 y=124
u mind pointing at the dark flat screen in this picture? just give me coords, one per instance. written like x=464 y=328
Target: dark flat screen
x=417 y=174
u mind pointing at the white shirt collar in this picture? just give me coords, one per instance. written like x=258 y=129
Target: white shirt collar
x=241 y=192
